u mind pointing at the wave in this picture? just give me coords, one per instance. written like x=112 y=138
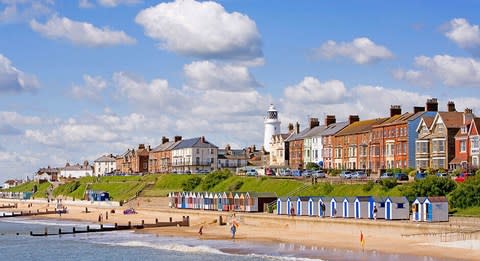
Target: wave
x=202 y=249
x=49 y=222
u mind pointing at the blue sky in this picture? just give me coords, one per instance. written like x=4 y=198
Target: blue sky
x=79 y=79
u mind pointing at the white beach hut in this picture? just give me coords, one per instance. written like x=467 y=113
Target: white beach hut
x=348 y=207
x=397 y=208
x=362 y=206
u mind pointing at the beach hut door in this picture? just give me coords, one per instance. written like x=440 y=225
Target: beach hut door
x=388 y=206
x=279 y=206
x=332 y=209
x=310 y=208
x=429 y=212
x=357 y=209
x=345 y=209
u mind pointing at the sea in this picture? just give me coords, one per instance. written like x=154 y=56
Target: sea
x=18 y=244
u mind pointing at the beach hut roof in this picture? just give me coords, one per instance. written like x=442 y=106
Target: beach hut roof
x=325 y=199
x=261 y=194
x=420 y=199
x=398 y=199
x=338 y=199
x=283 y=198
x=438 y=199
x=236 y=195
x=349 y=199
x=363 y=198
x=379 y=199
x=303 y=198
x=315 y=198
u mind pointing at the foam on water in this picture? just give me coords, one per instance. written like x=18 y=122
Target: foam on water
x=49 y=222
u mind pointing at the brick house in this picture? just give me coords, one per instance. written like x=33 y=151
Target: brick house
x=160 y=158
x=295 y=147
x=134 y=161
x=463 y=156
x=328 y=139
x=474 y=138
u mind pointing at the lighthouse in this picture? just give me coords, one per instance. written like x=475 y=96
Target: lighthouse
x=272 y=126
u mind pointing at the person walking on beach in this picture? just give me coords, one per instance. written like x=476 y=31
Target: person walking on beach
x=292 y=211
x=233 y=229
x=375 y=213
x=323 y=209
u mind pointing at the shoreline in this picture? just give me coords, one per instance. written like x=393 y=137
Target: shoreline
x=388 y=237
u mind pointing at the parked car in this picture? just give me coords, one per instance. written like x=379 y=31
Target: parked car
x=296 y=173
x=462 y=177
x=387 y=175
x=420 y=175
x=307 y=173
x=251 y=172
x=359 y=175
x=285 y=172
x=442 y=175
x=346 y=174
x=269 y=172
x=319 y=174
x=401 y=176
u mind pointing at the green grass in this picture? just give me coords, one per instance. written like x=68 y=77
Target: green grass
x=25 y=187
x=471 y=211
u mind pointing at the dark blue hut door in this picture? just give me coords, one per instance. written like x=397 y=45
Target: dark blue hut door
x=429 y=212
x=357 y=209
x=345 y=209
x=388 y=207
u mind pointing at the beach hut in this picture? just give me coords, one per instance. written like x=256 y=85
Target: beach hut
x=289 y=205
x=283 y=206
x=184 y=202
x=231 y=201
x=302 y=206
x=397 y=208
x=236 y=202
x=325 y=211
x=242 y=202
x=313 y=206
x=362 y=207
x=336 y=207
x=201 y=200
x=210 y=201
x=379 y=202
x=193 y=204
x=435 y=209
x=256 y=200
x=417 y=206
x=224 y=196
x=348 y=207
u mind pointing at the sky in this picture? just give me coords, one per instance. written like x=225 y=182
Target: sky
x=83 y=78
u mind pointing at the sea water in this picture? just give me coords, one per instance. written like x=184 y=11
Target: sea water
x=17 y=244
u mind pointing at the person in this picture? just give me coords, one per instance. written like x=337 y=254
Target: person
x=375 y=213
x=200 y=231
x=334 y=212
x=292 y=211
x=323 y=209
x=233 y=229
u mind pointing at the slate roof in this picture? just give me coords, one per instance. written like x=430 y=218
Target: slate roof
x=77 y=167
x=363 y=198
x=315 y=132
x=193 y=143
x=298 y=136
x=333 y=128
x=452 y=119
x=360 y=126
x=398 y=199
x=397 y=119
x=106 y=158
x=165 y=146
x=428 y=121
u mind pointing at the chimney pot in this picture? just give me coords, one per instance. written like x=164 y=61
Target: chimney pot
x=290 y=127
x=451 y=106
x=395 y=110
x=432 y=104
x=330 y=119
x=164 y=140
x=297 y=127
x=314 y=123
x=353 y=118
x=417 y=109
x=178 y=138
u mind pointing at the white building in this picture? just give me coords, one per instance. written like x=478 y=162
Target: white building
x=10 y=183
x=194 y=155
x=77 y=171
x=232 y=159
x=272 y=127
x=104 y=164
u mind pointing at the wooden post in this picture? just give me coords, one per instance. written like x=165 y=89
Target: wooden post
x=31 y=233
x=88 y=228
x=143 y=222
x=59 y=231
x=38 y=210
x=74 y=230
x=170 y=219
x=116 y=225
x=188 y=221
x=46 y=231
x=129 y=224
x=101 y=226
x=156 y=221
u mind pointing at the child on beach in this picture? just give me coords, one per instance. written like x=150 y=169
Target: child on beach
x=233 y=229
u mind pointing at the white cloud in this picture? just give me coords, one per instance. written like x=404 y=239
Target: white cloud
x=92 y=88
x=85 y=4
x=450 y=70
x=13 y=80
x=80 y=33
x=206 y=75
x=311 y=90
x=15 y=119
x=24 y=10
x=413 y=76
x=464 y=34
x=202 y=29
x=114 y=3
x=360 y=50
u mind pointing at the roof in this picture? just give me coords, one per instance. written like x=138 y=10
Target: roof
x=77 y=167
x=317 y=131
x=360 y=126
x=333 y=128
x=428 y=120
x=397 y=119
x=363 y=198
x=438 y=199
x=477 y=124
x=379 y=199
x=193 y=143
x=398 y=199
x=298 y=136
x=453 y=119
x=106 y=158
x=165 y=146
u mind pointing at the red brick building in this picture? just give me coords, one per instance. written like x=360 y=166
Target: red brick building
x=134 y=161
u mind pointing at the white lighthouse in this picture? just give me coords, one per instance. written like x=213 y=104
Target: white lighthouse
x=272 y=126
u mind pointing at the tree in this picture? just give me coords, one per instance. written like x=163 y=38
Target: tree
x=312 y=166
x=467 y=194
x=430 y=186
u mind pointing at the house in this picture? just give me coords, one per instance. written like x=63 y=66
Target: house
x=422 y=144
x=279 y=153
x=283 y=206
x=296 y=145
x=463 y=158
x=397 y=208
x=312 y=143
x=363 y=207
x=134 y=161
x=474 y=141
x=77 y=170
x=352 y=143
x=328 y=139
x=232 y=159
x=194 y=155
x=10 y=183
x=105 y=164
x=430 y=209
x=47 y=174
x=160 y=157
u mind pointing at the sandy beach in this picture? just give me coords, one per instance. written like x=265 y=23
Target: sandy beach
x=441 y=240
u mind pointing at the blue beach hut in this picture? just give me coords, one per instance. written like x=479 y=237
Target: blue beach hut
x=397 y=208
x=325 y=211
x=348 y=207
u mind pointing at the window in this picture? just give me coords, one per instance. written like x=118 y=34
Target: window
x=400 y=205
x=198 y=151
x=422 y=147
x=463 y=146
x=438 y=146
x=382 y=204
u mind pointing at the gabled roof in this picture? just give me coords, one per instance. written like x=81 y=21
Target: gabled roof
x=315 y=132
x=363 y=198
x=475 y=123
x=397 y=119
x=333 y=128
x=360 y=126
x=398 y=199
x=298 y=136
x=438 y=199
x=427 y=120
x=165 y=146
x=106 y=158
x=452 y=119
x=193 y=143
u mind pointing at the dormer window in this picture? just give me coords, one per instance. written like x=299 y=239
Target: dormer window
x=464 y=129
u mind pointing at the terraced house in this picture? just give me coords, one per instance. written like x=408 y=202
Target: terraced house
x=295 y=147
x=474 y=137
x=160 y=158
x=194 y=155
x=328 y=139
x=133 y=161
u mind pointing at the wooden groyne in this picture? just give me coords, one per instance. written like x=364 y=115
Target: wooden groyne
x=116 y=227
x=8 y=206
x=31 y=213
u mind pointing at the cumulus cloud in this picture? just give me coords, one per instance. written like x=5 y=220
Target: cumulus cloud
x=201 y=29
x=24 y=10
x=6 y=129
x=85 y=4
x=311 y=90
x=107 y=3
x=464 y=34
x=91 y=89
x=450 y=70
x=15 y=119
x=206 y=75
x=81 y=33
x=413 y=76
x=361 y=50
x=13 y=80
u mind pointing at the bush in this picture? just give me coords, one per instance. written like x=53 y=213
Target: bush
x=388 y=183
x=466 y=194
x=312 y=166
x=191 y=183
x=369 y=186
x=412 y=173
x=430 y=186
x=236 y=185
x=477 y=173
x=214 y=178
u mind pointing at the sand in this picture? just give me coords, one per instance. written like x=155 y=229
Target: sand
x=441 y=240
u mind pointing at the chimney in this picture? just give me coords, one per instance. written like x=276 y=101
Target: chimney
x=353 y=118
x=395 y=110
x=290 y=127
x=141 y=146
x=164 y=140
x=432 y=104
x=202 y=139
x=297 y=128
x=149 y=148
x=178 y=138
x=467 y=116
x=417 y=109
x=451 y=106
x=228 y=148
x=314 y=123
x=330 y=119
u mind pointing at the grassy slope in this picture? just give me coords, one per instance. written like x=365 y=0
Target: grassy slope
x=472 y=211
